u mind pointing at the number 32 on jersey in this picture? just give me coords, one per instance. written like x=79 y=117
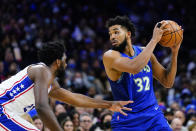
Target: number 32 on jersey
x=143 y=83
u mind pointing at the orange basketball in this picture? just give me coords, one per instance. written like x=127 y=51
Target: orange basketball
x=172 y=37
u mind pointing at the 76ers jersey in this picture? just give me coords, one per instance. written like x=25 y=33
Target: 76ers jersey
x=17 y=93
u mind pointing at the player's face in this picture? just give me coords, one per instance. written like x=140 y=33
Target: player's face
x=118 y=37
x=64 y=64
x=61 y=68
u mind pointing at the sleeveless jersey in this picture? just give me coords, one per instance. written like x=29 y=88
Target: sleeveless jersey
x=137 y=87
x=17 y=93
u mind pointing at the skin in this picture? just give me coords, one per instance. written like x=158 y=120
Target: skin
x=115 y=64
x=68 y=126
x=176 y=124
x=107 y=118
x=39 y=124
x=180 y=115
x=76 y=120
x=59 y=109
x=86 y=123
x=44 y=76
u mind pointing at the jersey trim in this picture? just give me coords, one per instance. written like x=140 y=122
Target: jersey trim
x=18 y=95
x=16 y=122
x=13 y=85
x=1 y=125
x=18 y=88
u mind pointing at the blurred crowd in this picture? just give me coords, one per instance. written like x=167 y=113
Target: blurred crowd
x=25 y=25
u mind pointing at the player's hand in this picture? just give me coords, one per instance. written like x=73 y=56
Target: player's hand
x=118 y=106
x=176 y=47
x=159 y=30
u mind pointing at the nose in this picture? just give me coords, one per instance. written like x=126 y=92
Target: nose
x=112 y=37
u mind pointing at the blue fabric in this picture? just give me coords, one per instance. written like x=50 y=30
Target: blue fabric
x=138 y=88
x=16 y=90
x=8 y=123
x=150 y=119
x=33 y=113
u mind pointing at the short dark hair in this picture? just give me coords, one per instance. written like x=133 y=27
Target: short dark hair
x=51 y=51
x=35 y=118
x=123 y=21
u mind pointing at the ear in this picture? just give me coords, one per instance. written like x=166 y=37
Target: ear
x=58 y=62
x=129 y=34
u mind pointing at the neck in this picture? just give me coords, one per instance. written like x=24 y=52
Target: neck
x=53 y=71
x=129 y=49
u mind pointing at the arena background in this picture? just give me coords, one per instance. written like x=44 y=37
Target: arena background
x=27 y=24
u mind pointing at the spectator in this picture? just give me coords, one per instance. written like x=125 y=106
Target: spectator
x=169 y=115
x=176 y=124
x=85 y=121
x=38 y=123
x=67 y=125
x=75 y=118
x=26 y=25
x=59 y=108
x=180 y=115
x=106 y=119
x=192 y=127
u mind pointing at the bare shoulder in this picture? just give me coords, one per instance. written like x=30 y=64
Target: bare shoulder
x=109 y=57
x=110 y=54
x=38 y=70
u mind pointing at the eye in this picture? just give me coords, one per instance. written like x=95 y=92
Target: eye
x=116 y=32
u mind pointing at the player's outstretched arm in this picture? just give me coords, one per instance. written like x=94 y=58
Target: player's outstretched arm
x=166 y=76
x=41 y=77
x=113 y=60
x=80 y=100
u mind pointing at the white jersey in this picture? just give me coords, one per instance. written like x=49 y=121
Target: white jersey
x=17 y=93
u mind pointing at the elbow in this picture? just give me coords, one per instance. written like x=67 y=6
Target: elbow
x=168 y=84
x=134 y=70
x=41 y=107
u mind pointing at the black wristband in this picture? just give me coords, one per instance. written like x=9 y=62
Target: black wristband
x=159 y=25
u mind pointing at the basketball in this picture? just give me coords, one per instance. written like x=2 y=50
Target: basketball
x=172 y=37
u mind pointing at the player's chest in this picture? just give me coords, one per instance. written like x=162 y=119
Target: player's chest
x=142 y=80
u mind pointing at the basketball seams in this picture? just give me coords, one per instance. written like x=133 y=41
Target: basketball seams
x=172 y=32
x=177 y=33
x=170 y=37
x=180 y=35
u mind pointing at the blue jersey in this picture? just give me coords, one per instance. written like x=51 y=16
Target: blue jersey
x=136 y=87
x=146 y=114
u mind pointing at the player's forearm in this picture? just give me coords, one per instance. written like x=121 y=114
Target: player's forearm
x=171 y=71
x=143 y=58
x=85 y=101
x=48 y=118
x=78 y=99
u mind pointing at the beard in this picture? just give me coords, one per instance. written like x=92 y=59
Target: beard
x=120 y=47
x=60 y=73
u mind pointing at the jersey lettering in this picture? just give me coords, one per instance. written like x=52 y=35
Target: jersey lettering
x=140 y=82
